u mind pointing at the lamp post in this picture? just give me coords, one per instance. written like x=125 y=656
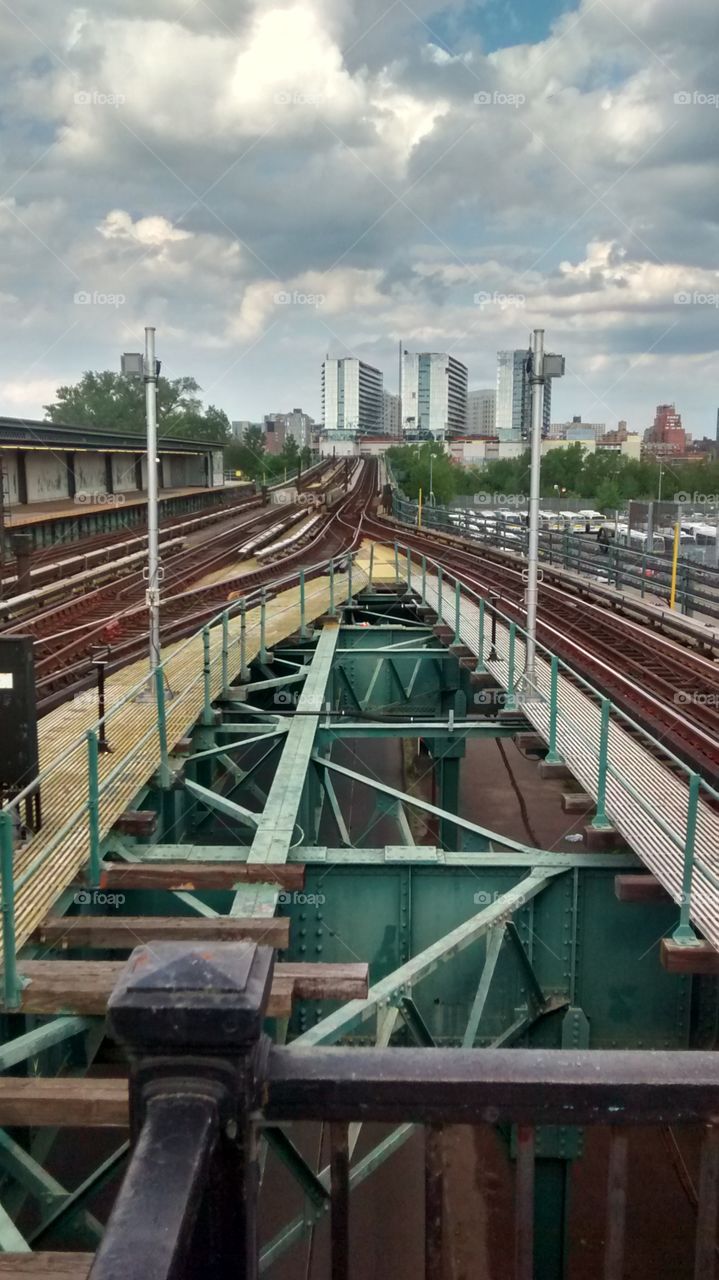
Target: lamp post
x=542 y=366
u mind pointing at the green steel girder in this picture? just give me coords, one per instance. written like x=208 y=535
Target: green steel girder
x=415 y=802
x=11 y=1240
x=495 y=938
x=423 y=727
x=45 y=1190
x=222 y=804
x=32 y=1043
x=276 y=826
x=421 y=1033
x=402 y=980
x=75 y=1201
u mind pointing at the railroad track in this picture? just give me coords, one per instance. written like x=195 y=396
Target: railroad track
x=66 y=636
x=671 y=691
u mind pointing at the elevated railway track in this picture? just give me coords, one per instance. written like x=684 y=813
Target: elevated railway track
x=113 y=615
x=671 y=689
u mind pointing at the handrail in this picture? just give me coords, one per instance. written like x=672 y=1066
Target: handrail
x=685 y=843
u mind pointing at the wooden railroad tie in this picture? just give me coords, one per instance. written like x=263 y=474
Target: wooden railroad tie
x=136 y=822
x=123 y=933
x=46 y=1266
x=84 y=986
x=177 y=876
x=640 y=887
x=700 y=957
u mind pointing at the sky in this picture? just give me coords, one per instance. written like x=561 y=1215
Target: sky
x=268 y=182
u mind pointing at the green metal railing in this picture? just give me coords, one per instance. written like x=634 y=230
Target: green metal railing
x=83 y=752
x=642 y=571
x=683 y=840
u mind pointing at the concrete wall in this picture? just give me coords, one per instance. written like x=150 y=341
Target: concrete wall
x=47 y=479
x=11 y=495
x=90 y=473
x=123 y=472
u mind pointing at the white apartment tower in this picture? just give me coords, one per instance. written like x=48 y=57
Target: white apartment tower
x=433 y=395
x=352 y=397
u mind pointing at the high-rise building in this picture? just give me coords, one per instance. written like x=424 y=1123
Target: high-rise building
x=481 y=406
x=513 y=420
x=666 y=434
x=390 y=425
x=433 y=395
x=352 y=397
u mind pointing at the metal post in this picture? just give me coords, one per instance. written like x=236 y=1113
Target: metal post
x=93 y=805
x=480 y=645
x=11 y=983
x=601 y=821
x=419 y=508
x=197 y=1079
x=457 y=612
x=153 y=548
x=424 y=579
x=332 y=588
x=675 y=562
x=409 y=568
x=529 y=680
x=225 y=650
x=303 y=629
x=207 y=716
x=396 y=561
x=162 y=725
x=263 y=624
x=511 y=702
x=440 y=592
x=100 y=663
x=244 y=673
x=349 y=578
x=493 y=646
x=553 y=756
x=684 y=932
x=371 y=564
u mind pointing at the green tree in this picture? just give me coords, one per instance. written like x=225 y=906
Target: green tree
x=112 y=402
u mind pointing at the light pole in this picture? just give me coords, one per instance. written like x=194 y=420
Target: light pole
x=154 y=571
x=542 y=367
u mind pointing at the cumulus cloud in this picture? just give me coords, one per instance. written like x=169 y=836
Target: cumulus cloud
x=203 y=163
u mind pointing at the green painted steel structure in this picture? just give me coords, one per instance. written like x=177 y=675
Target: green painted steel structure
x=473 y=938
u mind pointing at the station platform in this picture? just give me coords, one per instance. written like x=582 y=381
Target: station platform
x=19 y=516
x=65 y=520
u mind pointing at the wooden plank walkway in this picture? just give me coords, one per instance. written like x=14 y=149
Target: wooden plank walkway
x=645 y=801
x=132 y=733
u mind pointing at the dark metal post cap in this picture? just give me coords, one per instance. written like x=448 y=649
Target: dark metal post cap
x=192 y=996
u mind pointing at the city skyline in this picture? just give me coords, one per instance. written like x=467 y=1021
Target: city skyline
x=313 y=183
